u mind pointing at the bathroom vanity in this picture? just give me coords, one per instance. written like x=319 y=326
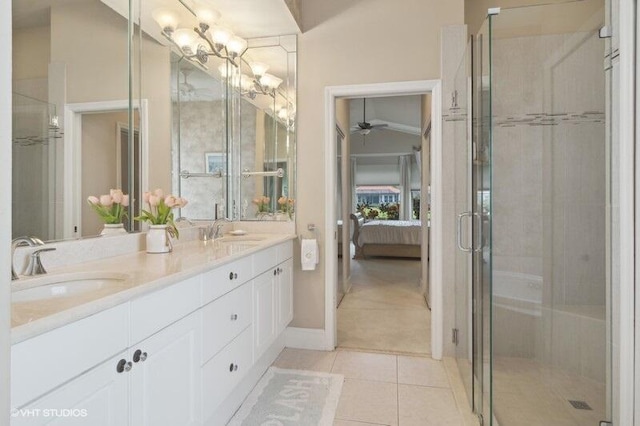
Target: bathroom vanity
x=182 y=341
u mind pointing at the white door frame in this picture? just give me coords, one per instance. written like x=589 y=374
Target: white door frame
x=435 y=242
x=73 y=155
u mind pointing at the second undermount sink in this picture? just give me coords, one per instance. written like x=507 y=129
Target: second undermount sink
x=242 y=238
x=66 y=285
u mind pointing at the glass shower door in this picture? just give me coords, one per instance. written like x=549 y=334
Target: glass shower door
x=548 y=194
x=458 y=119
x=480 y=170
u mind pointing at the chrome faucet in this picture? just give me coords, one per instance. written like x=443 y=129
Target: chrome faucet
x=19 y=242
x=213 y=230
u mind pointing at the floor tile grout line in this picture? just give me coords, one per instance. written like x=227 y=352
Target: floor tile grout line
x=398 y=389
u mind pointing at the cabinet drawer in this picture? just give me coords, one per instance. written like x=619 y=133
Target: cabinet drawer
x=265 y=260
x=224 y=318
x=154 y=312
x=46 y=361
x=285 y=251
x=225 y=278
x=221 y=375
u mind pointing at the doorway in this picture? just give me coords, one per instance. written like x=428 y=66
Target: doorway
x=379 y=223
x=374 y=91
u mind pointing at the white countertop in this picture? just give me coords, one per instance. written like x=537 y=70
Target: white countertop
x=145 y=273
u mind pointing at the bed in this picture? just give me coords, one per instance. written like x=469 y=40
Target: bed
x=388 y=238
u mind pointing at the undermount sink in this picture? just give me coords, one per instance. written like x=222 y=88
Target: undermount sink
x=65 y=285
x=242 y=238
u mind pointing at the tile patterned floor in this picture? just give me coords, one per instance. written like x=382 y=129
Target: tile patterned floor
x=385 y=311
x=383 y=389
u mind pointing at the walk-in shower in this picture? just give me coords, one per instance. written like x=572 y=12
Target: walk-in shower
x=533 y=196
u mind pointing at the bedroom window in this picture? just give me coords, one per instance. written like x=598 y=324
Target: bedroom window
x=378 y=201
x=415 y=204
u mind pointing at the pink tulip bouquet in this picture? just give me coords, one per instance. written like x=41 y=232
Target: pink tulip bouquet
x=262 y=203
x=286 y=205
x=160 y=210
x=112 y=207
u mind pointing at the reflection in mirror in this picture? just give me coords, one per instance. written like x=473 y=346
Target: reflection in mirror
x=66 y=53
x=233 y=133
x=268 y=131
x=199 y=139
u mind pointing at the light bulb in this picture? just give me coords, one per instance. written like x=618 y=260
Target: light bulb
x=206 y=17
x=166 y=18
x=236 y=46
x=185 y=39
x=246 y=83
x=283 y=113
x=258 y=68
x=220 y=35
x=270 y=82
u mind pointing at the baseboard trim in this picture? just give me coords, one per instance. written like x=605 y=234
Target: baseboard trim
x=305 y=338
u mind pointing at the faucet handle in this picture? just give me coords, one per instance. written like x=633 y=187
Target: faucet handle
x=35 y=264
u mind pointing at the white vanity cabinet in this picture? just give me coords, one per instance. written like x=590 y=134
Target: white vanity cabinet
x=264 y=312
x=284 y=290
x=99 y=397
x=186 y=354
x=165 y=376
x=273 y=296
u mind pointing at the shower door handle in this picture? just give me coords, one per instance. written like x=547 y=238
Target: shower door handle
x=480 y=247
x=459 y=232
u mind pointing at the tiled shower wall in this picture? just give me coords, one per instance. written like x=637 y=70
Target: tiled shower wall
x=549 y=196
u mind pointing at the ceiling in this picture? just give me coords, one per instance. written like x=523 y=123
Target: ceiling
x=400 y=113
x=247 y=18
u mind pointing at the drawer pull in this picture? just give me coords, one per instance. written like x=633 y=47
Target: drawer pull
x=234 y=317
x=139 y=356
x=128 y=366
x=275 y=272
x=233 y=275
x=233 y=367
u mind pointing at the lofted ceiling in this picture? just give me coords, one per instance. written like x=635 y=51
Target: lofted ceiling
x=248 y=18
x=400 y=113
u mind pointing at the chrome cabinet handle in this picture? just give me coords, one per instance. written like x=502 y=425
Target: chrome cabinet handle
x=459 y=232
x=139 y=356
x=233 y=367
x=234 y=317
x=120 y=365
x=128 y=366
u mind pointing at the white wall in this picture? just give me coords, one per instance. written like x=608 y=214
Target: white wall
x=5 y=210
x=343 y=44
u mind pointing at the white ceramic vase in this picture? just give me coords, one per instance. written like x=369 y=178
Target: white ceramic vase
x=158 y=239
x=113 y=229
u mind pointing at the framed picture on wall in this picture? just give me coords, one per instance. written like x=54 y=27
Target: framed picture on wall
x=214 y=162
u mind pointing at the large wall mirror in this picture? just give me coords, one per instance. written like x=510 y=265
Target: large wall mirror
x=72 y=125
x=233 y=133
x=103 y=101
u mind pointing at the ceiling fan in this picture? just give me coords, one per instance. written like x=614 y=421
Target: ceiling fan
x=364 y=127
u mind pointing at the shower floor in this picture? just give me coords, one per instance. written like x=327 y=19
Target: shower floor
x=528 y=394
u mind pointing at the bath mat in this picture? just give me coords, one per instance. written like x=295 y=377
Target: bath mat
x=291 y=398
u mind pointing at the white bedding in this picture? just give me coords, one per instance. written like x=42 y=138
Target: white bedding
x=406 y=232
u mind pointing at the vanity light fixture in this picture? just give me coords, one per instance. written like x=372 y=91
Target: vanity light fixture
x=258 y=69
x=207 y=38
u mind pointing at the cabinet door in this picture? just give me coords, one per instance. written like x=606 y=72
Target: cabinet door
x=264 y=313
x=285 y=294
x=165 y=378
x=98 y=397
